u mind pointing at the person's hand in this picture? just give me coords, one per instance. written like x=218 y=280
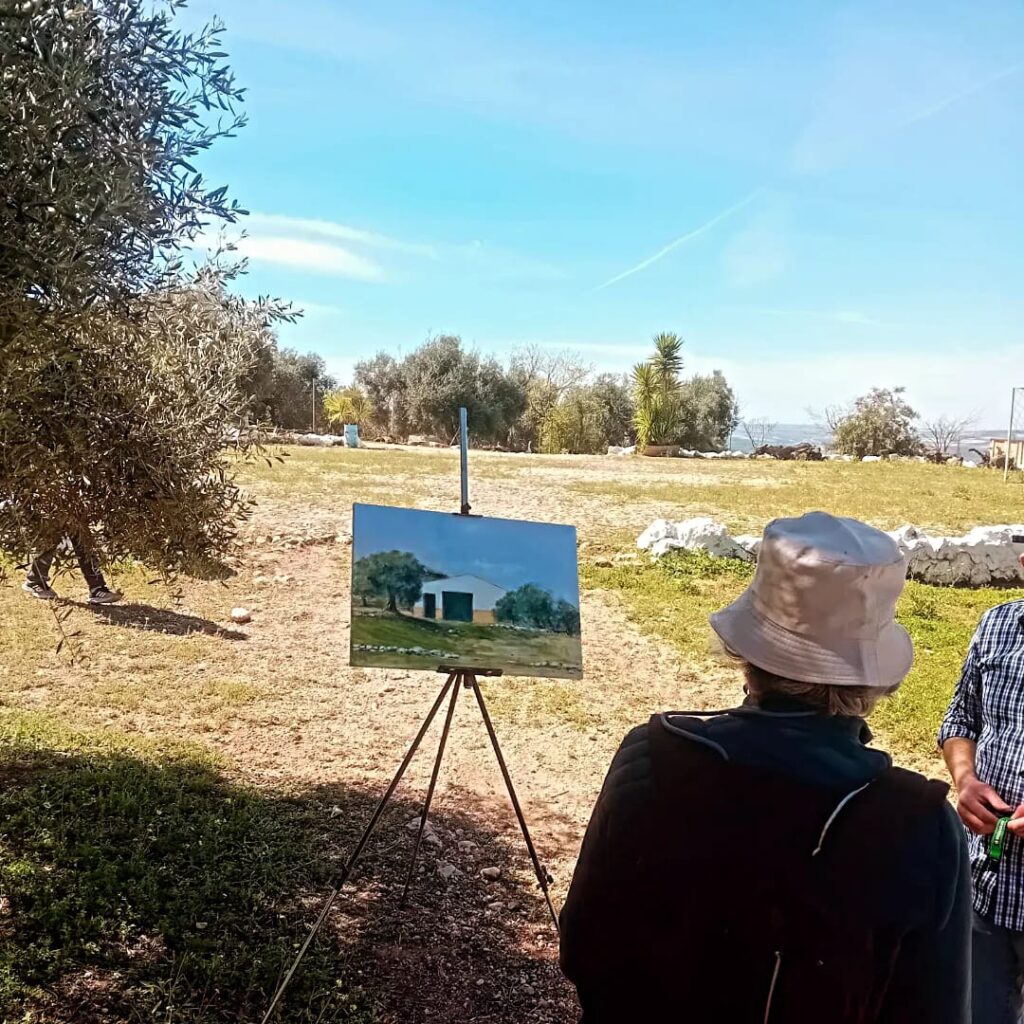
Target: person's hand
x=980 y=807
x=1016 y=823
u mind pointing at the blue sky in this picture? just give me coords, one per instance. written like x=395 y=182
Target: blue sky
x=504 y=551
x=818 y=197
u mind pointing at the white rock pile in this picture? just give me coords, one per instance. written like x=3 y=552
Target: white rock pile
x=701 y=534
x=987 y=555
x=984 y=556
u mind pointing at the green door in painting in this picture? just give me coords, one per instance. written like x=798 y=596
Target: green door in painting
x=456 y=607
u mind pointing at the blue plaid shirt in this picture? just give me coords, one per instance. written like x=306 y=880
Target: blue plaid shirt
x=988 y=707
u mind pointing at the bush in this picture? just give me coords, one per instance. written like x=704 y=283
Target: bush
x=533 y=607
x=880 y=423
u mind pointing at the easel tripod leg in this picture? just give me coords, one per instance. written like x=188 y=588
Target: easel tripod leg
x=538 y=868
x=346 y=871
x=433 y=782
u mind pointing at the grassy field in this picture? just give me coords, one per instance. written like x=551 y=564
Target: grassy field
x=454 y=644
x=744 y=495
x=673 y=598
x=173 y=801
x=135 y=867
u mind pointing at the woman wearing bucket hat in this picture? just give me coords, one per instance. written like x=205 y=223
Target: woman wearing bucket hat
x=763 y=864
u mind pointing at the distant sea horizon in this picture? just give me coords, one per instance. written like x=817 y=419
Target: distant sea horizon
x=815 y=433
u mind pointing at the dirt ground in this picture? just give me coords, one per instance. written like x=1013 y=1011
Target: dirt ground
x=277 y=700
x=333 y=724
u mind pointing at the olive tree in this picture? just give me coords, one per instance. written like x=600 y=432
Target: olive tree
x=879 y=423
x=122 y=375
x=441 y=376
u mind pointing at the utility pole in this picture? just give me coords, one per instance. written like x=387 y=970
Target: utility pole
x=1009 y=433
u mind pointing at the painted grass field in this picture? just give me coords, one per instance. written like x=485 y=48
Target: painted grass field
x=174 y=800
x=456 y=644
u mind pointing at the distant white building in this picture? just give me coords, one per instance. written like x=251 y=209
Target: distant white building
x=459 y=599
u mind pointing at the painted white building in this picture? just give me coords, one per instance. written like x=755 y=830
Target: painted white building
x=459 y=599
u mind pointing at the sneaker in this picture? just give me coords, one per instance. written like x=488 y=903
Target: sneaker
x=105 y=596
x=39 y=590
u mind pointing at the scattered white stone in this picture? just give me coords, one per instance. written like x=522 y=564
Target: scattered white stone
x=430 y=836
x=985 y=555
x=614 y=449
x=240 y=616
x=872 y=458
x=749 y=542
x=699 y=534
x=319 y=440
x=490 y=874
x=446 y=871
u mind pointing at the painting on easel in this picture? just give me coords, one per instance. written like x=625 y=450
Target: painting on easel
x=432 y=590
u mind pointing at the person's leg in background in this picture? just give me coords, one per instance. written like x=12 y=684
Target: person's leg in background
x=99 y=592
x=37 y=582
x=995 y=973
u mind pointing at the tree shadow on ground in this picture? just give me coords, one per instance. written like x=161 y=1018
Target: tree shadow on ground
x=143 y=889
x=158 y=620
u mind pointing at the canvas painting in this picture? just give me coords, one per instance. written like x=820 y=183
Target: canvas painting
x=432 y=590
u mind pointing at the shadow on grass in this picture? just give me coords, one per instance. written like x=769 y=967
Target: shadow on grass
x=153 y=889
x=158 y=620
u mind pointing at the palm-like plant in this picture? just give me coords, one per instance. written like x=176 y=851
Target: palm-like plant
x=668 y=357
x=656 y=392
x=347 y=406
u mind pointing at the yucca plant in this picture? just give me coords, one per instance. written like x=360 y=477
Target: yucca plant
x=349 y=405
x=656 y=393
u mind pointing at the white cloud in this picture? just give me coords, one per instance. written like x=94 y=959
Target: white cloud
x=318 y=257
x=279 y=223
x=839 y=316
x=324 y=309
x=329 y=247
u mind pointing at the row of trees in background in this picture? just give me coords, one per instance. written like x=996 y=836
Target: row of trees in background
x=552 y=401
x=540 y=400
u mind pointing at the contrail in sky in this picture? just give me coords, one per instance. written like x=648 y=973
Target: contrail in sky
x=955 y=97
x=706 y=226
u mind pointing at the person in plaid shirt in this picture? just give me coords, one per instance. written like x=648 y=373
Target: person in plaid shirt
x=982 y=740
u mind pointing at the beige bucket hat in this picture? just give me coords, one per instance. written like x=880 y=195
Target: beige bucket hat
x=821 y=607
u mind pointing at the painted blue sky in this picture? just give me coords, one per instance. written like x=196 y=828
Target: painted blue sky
x=818 y=196
x=507 y=552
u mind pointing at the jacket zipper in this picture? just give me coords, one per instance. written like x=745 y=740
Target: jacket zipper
x=771 y=988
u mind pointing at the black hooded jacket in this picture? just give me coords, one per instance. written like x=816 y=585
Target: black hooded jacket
x=767 y=866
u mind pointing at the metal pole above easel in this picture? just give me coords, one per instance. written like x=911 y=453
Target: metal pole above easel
x=464 y=456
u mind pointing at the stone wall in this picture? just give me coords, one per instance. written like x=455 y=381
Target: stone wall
x=986 y=556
